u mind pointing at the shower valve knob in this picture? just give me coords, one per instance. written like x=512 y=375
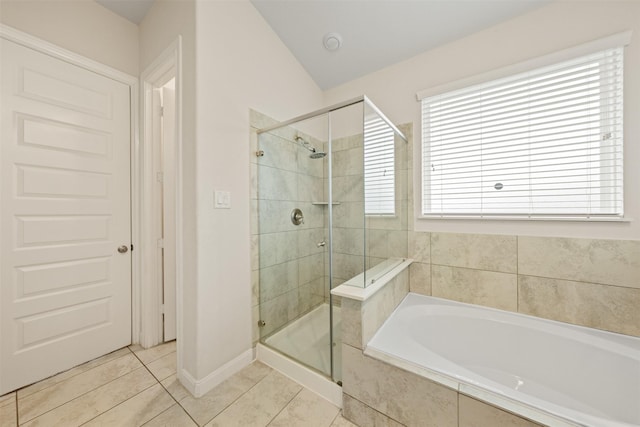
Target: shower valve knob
x=297 y=217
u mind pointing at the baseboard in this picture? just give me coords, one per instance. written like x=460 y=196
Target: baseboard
x=200 y=387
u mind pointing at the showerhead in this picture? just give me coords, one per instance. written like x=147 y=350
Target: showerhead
x=315 y=154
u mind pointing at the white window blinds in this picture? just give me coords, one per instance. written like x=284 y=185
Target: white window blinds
x=546 y=143
x=379 y=171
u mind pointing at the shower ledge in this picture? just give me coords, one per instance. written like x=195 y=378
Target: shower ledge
x=324 y=203
x=362 y=294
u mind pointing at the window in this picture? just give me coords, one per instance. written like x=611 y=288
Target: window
x=379 y=171
x=545 y=143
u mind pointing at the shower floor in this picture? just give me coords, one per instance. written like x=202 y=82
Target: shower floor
x=307 y=340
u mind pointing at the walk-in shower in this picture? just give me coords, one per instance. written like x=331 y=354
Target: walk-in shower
x=330 y=205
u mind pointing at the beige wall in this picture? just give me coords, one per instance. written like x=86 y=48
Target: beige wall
x=165 y=21
x=241 y=64
x=236 y=62
x=559 y=25
x=81 y=26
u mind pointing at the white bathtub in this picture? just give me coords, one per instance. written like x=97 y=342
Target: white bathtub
x=551 y=372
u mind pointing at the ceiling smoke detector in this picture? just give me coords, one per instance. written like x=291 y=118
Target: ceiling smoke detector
x=332 y=41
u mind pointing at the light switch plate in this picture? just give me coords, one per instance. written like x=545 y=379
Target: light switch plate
x=222 y=199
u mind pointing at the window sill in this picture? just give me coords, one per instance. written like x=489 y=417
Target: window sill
x=524 y=218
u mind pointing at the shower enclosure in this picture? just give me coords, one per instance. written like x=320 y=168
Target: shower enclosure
x=331 y=207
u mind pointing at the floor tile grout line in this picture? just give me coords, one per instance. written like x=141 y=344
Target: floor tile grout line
x=176 y=404
x=73 y=376
x=336 y=417
x=165 y=389
x=157 y=382
x=169 y=393
x=83 y=394
x=149 y=370
x=151 y=361
x=239 y=397
x=285 y=406
x=115 y=406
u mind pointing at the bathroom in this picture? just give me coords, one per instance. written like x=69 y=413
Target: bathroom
x=233 y=63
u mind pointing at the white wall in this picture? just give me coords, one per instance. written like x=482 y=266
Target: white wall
x=551 y=28
x=165 y=21
x=241 y=64
x=81 y=26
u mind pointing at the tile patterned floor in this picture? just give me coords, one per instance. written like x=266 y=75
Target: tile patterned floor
x=135 y=387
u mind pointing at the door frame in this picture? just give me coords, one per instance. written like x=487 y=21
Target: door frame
x=151 y=333
x=138 y=284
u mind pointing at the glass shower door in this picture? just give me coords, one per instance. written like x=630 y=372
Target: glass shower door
x=292 y=238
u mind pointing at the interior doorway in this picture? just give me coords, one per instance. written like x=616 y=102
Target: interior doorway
x=165 y=201
x=160 y=178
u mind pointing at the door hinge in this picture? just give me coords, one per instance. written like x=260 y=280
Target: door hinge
x=160 y=176
x=161 y=308
x=161 y=243
x=161 y=111
x=132 y=246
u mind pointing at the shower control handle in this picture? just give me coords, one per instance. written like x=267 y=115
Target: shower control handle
x=297 y=217
x=320 y=244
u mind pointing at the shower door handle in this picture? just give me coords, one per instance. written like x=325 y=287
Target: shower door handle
x=320 y=244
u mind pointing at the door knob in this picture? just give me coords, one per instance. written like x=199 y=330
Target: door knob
x=122 y=249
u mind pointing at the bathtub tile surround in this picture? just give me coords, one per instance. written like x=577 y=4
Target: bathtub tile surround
x=611 y=308
x=490 y=288
x=404 y=397
x=420 y=247
x=474 y=268
x=587 y=282
x=351 y=316
x=377 y=393
x=475 y=413
x=361 y=319
x=420 y=278
x=608 y=262
x=477 y=251
x=377 y=309
x=363 y=415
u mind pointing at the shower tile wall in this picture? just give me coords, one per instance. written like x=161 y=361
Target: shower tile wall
x=287 y=265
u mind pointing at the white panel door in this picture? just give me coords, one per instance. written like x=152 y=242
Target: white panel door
x=65 y=290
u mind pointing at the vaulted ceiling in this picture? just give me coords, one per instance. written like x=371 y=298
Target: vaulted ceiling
x=374 y=33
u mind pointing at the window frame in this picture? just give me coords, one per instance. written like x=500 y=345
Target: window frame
x=619 y=40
